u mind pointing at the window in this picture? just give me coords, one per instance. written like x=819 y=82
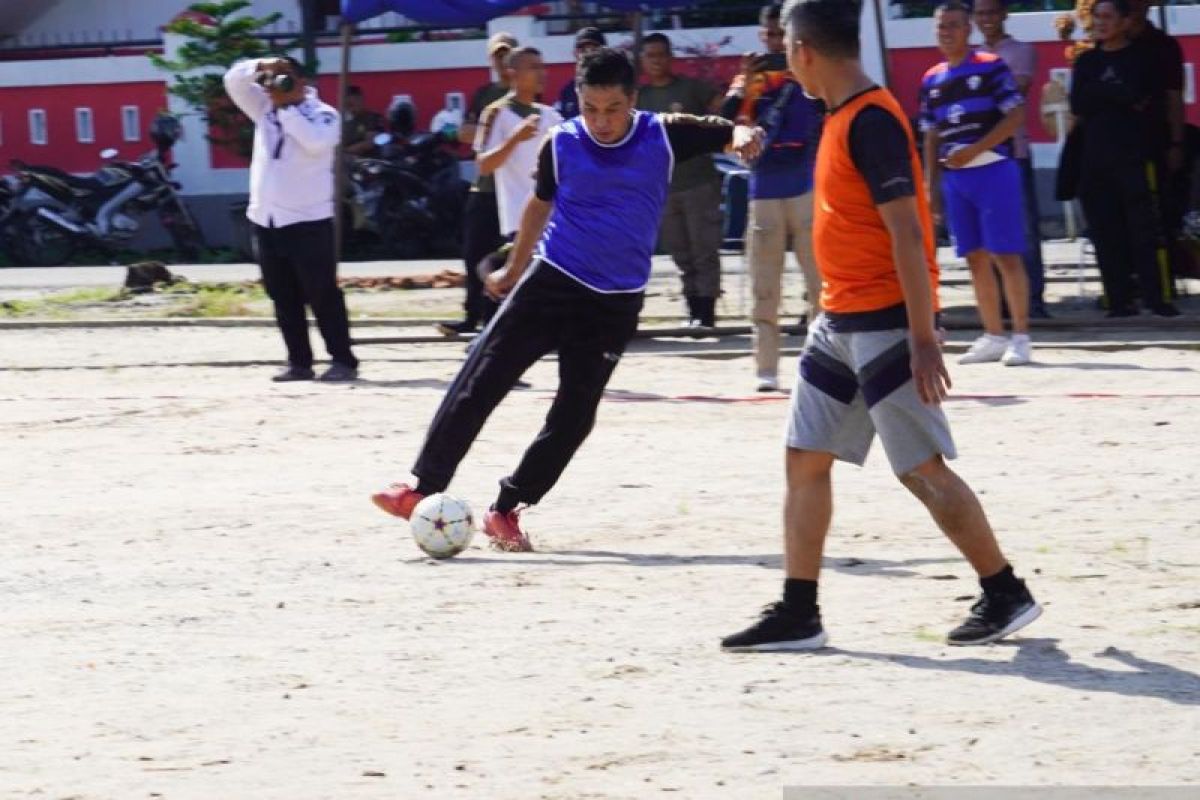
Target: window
x=85 y=131
x=37 y=126
x=131 y=125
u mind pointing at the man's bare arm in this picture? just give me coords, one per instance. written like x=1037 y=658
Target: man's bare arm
x=903 y=221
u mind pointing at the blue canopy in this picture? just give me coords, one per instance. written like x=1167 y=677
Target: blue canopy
x=463 y=12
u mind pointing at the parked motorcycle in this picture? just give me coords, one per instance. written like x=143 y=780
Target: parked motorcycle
x=54 y=212
x=412 y=198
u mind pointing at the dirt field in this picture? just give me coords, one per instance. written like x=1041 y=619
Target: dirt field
x=200 y=602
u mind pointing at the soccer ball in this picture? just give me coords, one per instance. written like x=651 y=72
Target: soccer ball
x=442 y=525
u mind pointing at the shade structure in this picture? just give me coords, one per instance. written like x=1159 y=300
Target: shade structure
x=464 y=12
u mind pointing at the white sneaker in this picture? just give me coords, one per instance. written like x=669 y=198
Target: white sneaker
x=768 y=383
x=985 y=348
x=1019 y=352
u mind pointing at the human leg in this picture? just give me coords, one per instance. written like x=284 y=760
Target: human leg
x=800 y=227
x=703 y=219
x=310 y=247
x=765 y=254
x=282 y=285
x=1035 y=267
x=676 y=240
x=516 y=338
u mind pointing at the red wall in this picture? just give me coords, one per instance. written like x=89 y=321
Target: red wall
x=63 y=149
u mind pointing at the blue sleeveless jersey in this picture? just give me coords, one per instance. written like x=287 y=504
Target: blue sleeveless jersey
x=608 y=204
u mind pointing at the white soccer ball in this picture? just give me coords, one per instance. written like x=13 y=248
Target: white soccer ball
x=442 y=525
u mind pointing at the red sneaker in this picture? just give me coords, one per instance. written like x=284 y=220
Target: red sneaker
x=399 y=500
x=505 y=531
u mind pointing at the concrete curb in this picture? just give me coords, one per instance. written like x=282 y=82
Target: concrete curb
x=1184 y=323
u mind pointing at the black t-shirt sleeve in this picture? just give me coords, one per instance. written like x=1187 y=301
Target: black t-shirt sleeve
x=880 y=150
x=691 y=136
x=545 y=182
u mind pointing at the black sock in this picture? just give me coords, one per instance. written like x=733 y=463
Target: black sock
x=800 y=595
x=1003 y=582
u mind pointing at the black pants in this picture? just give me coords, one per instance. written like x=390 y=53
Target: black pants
x=547 y=312
x=1123 y=223
x=299 y=267
x=1035 y=268
x=481 y=235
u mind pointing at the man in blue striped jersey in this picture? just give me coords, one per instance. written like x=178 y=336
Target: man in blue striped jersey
x=970 y=110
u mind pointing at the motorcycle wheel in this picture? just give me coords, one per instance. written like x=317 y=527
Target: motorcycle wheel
x=40 y=244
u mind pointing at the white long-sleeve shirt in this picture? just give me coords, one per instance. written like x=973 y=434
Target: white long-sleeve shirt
x=291 y=168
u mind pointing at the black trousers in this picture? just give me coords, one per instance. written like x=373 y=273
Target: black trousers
x=299 y=268
x=547 y=312
x=1124 y=225
x=481 y=236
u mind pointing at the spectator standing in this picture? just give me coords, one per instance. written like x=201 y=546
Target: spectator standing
x=511 y=133
x=291 y=206
x=481 y=220
x=691 y=225
x=588 y=40
x=970 y=108
x=1021 y=58
x=1111 y=87
x=360 y=125
x=781 y=201
x=1168 y=151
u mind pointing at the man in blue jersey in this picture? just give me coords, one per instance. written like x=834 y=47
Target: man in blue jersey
x=602 y=182
x=970 y=110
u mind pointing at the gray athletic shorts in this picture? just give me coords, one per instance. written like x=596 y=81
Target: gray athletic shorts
x=852 y=385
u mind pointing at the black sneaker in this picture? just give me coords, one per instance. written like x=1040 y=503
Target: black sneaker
x=995 y=616
x=294 y=374
x=339 y=373
x=1164 y=310
x=1122 y=311
x=456 y=328
x=779 y=629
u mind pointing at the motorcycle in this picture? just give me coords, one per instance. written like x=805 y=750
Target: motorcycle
x=412 y=198
x=55 y=212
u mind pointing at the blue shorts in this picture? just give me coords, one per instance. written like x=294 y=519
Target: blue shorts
x=985 y=209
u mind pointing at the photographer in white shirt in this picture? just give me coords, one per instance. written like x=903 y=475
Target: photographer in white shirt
x=291 y=206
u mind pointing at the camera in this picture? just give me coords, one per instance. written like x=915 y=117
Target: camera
x=276 y=82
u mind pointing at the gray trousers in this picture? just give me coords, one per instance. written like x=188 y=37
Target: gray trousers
x=692 y=233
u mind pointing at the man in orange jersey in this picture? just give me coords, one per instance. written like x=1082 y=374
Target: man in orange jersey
x=872 y=362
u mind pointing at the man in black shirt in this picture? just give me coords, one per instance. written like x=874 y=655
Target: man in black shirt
x=1112 y=87
x=1169 y=179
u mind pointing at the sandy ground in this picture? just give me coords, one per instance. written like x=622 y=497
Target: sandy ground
x=199 y=602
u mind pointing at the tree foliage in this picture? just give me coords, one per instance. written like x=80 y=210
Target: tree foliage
x=219 y=36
